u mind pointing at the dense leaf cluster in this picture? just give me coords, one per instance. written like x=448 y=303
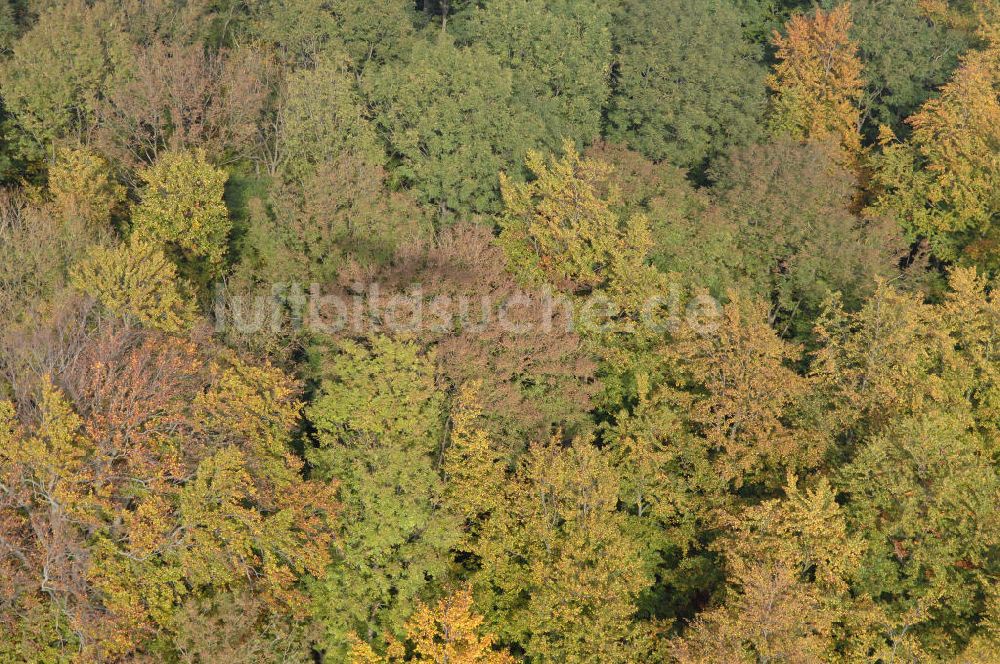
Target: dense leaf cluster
x=706 y=366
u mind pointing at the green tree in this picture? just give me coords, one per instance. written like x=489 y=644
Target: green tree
x=57 y=72
x=378 y=421
x=560 y=55
x=341 y=211
x=560 y=575
x=922 y=493
x=450 y=118
x=322 y=118
x=181 y=207
x=687 y=85
x=475 y=470
x=688 y=240
x=306 y=30
x=764 y=17
x=910 y=396
x=787 y=207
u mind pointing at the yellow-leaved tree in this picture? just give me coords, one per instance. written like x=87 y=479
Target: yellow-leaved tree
x=136 y=281
x=788 y=562
x=473 y=468
x=450 y=631
x=944 y=181
x=817 y=80
x=562 y=225
x=82 y=188
x=182 y=207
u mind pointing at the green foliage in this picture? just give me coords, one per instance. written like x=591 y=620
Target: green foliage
x=786 y=208
x=340 y=212
x=688 y=240
x=136 y=281
x=560 y=56
x=763 y=17
x=57 y=72
x=906 y=57
x=687 y=85
x=182 y=208
x=378 y=422
x=304 y=31
x=923 y=496
x=449 y=116
x=8 y=26
x=323 y=118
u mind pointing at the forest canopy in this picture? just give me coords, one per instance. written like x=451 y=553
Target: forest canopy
x=495 y=331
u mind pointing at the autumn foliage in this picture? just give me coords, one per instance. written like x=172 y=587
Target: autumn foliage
x=453 y=332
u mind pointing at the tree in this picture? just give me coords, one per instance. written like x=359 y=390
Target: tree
x=474 y=470
x=942 y=182
x=906 y=58
x=789 y=562
x=560 y=575
x=564 y=217
x=898 y=356
x=304 y=31
x=560 y=56
x=911 y=400
x=670 y=488
x=82 y=188
x=536 y=370
x=817 y=81
x=9 y=27
x=322 y=119
x=34 y=256
x=378 y=434
x=178 y=97
x=447 y=632
x=137 y=281
x=448 y=115
x=44 y=474
x=921 y=494
x=787 y=207
x=312 y=229
x=687 y=84
x=745 y=394
x=163 y=481
x=181 y=207
x=763 y=17
x=234 y=628
x=57 y=72
x=570 y=227
x=688 y=240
